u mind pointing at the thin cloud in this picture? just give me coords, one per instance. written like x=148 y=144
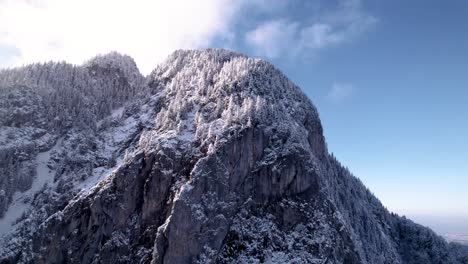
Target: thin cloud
x=283 y=37
x=339 y=92
x=272 y=38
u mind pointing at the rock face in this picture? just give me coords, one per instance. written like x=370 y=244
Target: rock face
x=219 y=158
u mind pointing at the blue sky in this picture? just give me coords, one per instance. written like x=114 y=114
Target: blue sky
x=390 y=78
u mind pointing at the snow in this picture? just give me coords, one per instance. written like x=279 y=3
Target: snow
x=188 y=126
x=121 y=133
x=22 y=200
x=184 y=189
x=99 y=174
x=15 y=210
x=186 y=136
x=116 y=113
x=113 y=138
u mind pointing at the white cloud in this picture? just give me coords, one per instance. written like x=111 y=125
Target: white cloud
x=272 y=38
x=148 y=30
x=339 y=92
x=280 y=37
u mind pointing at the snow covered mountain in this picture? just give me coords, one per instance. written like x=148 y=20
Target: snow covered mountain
x=213 y=158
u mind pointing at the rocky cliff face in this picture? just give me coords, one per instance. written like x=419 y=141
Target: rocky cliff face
x=221 y=159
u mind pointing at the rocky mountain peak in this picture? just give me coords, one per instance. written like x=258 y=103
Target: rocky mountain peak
x=220 y=88
x=117 y=63
x=215 y=157
x=113 y=59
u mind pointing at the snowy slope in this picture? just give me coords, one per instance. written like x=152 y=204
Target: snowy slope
x=22 y=200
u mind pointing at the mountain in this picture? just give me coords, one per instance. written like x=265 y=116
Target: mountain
x=214 y=157
x=462 y=239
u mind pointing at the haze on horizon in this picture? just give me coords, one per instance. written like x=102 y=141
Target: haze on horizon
x=388 y=78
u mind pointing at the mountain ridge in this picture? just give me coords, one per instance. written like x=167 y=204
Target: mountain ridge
x=215 y=157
